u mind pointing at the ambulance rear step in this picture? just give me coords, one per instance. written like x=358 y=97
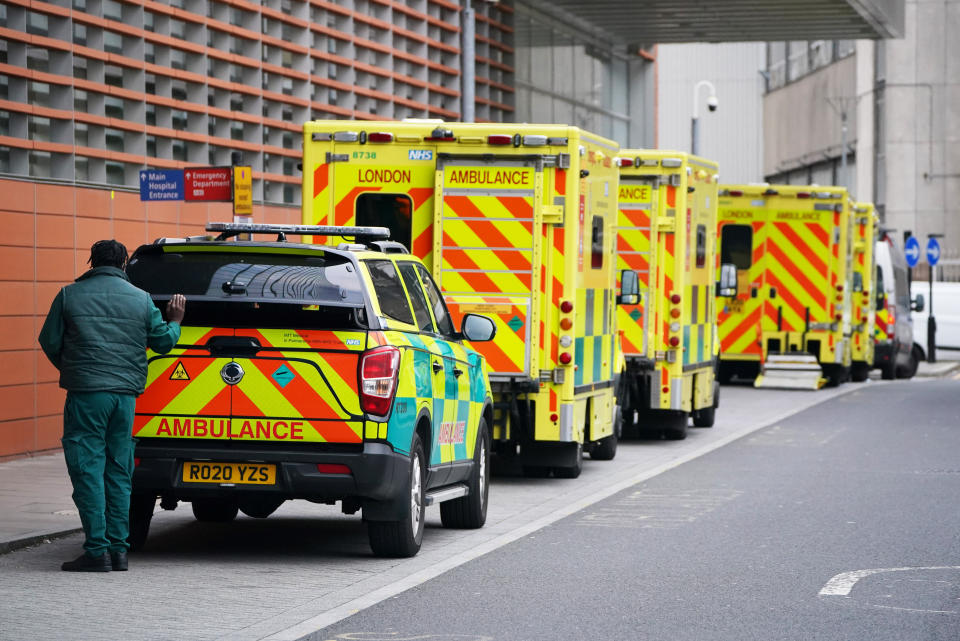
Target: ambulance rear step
x=445 y=494
x=791 y=371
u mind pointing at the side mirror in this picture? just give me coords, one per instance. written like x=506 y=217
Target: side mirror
x=477 y=328
x=918 y=303
x=727 y=285
x=629 y=288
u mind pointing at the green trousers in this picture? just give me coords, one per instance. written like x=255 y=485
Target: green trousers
x=98 y=446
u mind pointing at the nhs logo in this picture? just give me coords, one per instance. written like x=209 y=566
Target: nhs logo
x=420 y=154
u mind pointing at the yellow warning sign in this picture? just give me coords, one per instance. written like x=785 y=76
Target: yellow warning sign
x=180 y=373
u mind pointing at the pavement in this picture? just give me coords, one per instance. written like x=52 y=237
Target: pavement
x=39 y=525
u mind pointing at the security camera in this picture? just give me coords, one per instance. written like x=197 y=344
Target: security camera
x=712 y=103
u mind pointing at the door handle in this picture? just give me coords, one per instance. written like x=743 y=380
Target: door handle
x=457 y=372
x=437 y=367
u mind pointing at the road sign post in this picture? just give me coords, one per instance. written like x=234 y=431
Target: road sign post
x=933 y=256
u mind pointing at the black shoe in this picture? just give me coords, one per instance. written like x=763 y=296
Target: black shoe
x=84 y=563
x=119 y=561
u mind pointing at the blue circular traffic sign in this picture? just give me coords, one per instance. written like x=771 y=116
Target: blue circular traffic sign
x=911 y=249
x=933 y=251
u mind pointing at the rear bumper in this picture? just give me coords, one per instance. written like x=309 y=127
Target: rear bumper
x=376 y=473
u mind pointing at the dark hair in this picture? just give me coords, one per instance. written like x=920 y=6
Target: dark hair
x=108 y=253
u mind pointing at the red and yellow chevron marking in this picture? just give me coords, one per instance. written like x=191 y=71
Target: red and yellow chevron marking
x=797 y=266
x=283 y=396
x=508 y=353
x=740 y=320
x=884 y=320
x=633 y=252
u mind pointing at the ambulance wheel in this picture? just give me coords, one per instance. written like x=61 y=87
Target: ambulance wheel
x=606 y=448
x=470 y=511
x=860 y=372
x=835 y=374
x=571 y=471
x=705 y=417
x=402 y=538
x=214 y=510
x=141 y=513
x=675 y=425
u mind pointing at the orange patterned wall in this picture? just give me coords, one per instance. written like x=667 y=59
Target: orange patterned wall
x=45 y=236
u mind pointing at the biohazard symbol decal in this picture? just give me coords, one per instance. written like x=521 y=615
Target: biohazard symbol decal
x=180 y=373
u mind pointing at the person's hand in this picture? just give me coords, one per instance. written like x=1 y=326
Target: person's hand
x=175 y=308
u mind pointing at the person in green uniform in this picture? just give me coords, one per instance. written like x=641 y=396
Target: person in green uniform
x=97 y=334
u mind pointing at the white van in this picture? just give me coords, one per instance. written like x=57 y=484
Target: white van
x=897 y=355
x=946 y=309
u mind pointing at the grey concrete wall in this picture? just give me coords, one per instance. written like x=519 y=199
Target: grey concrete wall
x=801 y=127
x=732 y=135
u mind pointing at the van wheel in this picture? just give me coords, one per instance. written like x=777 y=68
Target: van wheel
x=571 y=471
x=141 y=513
x=214 y=510
x=675 y=424
x=910 y=369
x=860 y=372
x=402 y=538
x=470 y=511
x=887 y=372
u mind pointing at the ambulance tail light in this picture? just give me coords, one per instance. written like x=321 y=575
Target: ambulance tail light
x=803 y=195
x=565 y=358
x=333 y=468
x=674 y=341
x=675 y=299
x=378 y=379
x=735 y=192
x=566 y=307
x=626 y=162
x=503 y=139
x=136 y=461
x=380 y=136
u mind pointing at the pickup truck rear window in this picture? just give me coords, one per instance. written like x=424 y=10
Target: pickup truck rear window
x=205 y=273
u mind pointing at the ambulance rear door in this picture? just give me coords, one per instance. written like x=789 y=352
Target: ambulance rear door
x=634 y=251
x=487 y=251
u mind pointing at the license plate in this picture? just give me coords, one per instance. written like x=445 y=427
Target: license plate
x=238 y=473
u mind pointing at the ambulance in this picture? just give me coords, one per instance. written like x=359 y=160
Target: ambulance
x=516 y=222
x=790 y=323
x=666 y=232
x=332 y=374
x=864 y=289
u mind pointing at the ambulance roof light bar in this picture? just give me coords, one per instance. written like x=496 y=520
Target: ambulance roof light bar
x=228 y=230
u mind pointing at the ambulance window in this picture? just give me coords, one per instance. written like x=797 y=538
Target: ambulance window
x=857 y=282
x=880 y=287
x=392 y=211
x=736 y=245
x=596 y=243
x=386 y=284
x=444 y=324
x=420 y=308
x=701 y=245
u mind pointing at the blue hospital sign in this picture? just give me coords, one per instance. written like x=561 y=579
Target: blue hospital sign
x=161 y=184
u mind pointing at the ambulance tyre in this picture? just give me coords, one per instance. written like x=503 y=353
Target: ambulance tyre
x=705 y=416
x=470 y=511
x=835 y=374
x=606 y=448
x=214 y=510
x=536 y=471
x=675 y=425
x=571 y=471
x=402 y=538
x=860 y=372
x=141 y=513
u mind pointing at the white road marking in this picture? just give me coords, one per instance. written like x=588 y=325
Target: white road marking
x=841 y=584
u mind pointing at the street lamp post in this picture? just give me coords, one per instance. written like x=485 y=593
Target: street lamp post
x=695 y=121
